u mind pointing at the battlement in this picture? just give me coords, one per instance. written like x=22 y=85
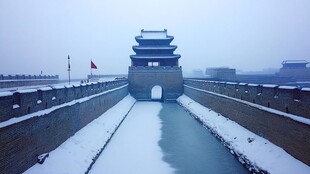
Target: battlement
x=9 y=81
x=27 y=77
x=24 y=102
x=155 y=68
x=289 y=99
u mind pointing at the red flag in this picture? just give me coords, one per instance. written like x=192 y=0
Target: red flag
x=92 y=65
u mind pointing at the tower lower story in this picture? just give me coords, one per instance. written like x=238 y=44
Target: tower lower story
x=143 y=79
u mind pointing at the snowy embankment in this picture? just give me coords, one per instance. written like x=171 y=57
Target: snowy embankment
x=252 y=150
x=76 y=154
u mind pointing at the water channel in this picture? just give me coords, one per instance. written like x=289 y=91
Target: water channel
x=190 y=148
x=163 y=138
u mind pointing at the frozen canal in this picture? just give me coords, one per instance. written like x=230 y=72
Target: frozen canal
x=163 y=138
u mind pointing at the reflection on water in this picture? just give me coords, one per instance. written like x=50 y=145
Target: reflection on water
x=190 y=148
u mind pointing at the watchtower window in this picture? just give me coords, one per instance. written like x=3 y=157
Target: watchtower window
x=153 y=63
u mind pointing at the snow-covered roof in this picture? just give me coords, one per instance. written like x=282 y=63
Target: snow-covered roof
x=165 y=47
x=176 y=56
x=295 y=61
x=154 y=34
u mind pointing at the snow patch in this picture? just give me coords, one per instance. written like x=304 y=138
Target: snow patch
x=15 y=106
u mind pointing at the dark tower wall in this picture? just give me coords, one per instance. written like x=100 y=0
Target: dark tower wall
x=143 y=79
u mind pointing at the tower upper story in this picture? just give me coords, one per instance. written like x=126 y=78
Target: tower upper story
x=154 y=49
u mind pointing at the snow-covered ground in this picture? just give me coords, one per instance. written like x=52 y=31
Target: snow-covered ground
x=134 y=148
x=251 y=148
x=75 y=155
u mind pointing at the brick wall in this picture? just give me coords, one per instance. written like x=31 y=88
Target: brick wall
x=283 y=98
x=22 y=142
x=292 y=136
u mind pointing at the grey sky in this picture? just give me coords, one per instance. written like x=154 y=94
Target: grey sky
x=249 y=35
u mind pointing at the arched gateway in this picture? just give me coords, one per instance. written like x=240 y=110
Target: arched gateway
x=155 y=64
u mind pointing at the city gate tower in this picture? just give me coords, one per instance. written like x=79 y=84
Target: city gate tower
x=155 y=64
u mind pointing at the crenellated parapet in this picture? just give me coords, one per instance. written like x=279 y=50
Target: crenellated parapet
x=155 y=68
x=289 y=99
x=27 y=77
x=28 y=101
x=9 y=81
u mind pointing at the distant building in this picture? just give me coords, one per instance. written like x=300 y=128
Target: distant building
x=222 y=73
x=196 y=73
x=296 y=69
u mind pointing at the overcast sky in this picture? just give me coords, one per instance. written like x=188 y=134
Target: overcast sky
x=249 y=35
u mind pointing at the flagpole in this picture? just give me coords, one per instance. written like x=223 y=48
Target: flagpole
x=91 y=70
x=69 y=69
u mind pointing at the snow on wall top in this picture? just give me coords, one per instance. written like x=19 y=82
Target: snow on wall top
x=269 y=85
x=252 y=84
x=26 y=90
x=306 y=89
x=6 y=93
x=287 y=87
x=295 y=61
x=45 y=88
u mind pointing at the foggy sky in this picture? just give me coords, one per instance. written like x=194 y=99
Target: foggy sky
x=249 y=35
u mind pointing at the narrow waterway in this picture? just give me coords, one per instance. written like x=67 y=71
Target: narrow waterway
x=190 y=148
x=163 y=138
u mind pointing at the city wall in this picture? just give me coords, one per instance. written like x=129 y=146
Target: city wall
x=8 y=81
x=291 y=135
x=23 y=141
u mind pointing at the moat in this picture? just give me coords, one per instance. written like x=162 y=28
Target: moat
x=165 y=139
